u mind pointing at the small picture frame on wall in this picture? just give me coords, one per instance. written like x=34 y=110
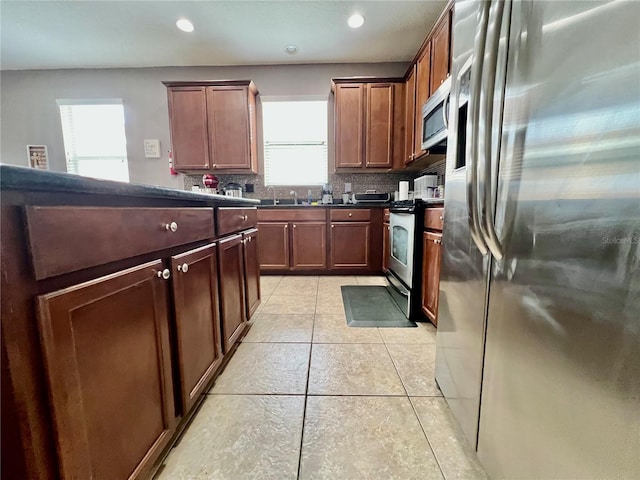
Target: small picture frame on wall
x=38 y=158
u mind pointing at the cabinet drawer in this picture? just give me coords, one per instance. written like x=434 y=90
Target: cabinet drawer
x=233 y=219
x=66 y=239
x=294 y=215
x=351 y=215
x=433 y=218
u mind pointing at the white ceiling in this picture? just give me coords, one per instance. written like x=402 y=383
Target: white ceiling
x=100 y=34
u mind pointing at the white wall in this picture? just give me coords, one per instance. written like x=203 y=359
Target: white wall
x=29 y=113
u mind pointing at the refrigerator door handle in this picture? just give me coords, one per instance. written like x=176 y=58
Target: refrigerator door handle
x=485 y=126
x=472 y=127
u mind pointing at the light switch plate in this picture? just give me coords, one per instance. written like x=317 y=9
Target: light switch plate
x=152 y=148
x=347 y=187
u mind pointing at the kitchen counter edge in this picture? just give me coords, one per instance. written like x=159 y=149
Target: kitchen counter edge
x=31 y=179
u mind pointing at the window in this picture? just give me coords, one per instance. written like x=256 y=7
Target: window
x=94 y=139
x=295 y=142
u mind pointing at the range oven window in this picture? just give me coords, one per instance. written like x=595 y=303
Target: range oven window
x=400 y=244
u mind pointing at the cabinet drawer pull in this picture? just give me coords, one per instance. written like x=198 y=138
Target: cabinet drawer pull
x=184 y=268
x=441 y=217
x=173 y=226
x=165 y=274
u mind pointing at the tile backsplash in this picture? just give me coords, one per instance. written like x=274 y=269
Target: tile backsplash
x=381 y=182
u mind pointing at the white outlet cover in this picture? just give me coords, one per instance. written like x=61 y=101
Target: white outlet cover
x=152 y=148
x=347 y=187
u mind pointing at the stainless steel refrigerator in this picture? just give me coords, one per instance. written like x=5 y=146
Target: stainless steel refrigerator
x=538 y=341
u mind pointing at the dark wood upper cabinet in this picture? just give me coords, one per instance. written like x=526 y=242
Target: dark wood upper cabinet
x=197 y=320
x=349 y=114
x=410 y=116
x=274 y=245
x=229 y=120
x=213 y=126
x=108 y=365
x=309 y=245
x=251 y=271
x=440 y=55
x=369 y=124
x=188 y=122
x=379 y=125
x=431 y=244
x=423 y=79
x=232 y=294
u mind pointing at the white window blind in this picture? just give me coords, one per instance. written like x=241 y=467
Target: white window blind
x=94 y=138
x=295 y=142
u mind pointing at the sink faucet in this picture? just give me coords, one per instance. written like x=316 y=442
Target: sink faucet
x=294 y=194
x=275 y=202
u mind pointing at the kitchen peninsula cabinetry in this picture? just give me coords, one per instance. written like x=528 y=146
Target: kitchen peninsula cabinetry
x=111 y=324
x=213 y=126
x=350 y=238
x=368 y=123
x=431 y=248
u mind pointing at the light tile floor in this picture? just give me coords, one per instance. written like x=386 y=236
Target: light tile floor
x=307 y=397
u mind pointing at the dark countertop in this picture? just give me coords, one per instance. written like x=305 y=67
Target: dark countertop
x=269 y=204
x=31 y=179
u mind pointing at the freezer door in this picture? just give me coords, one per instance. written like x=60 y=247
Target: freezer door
x=463 y=275
x=561 y=386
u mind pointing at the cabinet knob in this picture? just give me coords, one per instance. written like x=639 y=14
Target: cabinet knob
x=184 y=268
x=333 y=226
x=351 y=214
x=294 y=226
x=441 y=217
x=165 y=274
x=244 y=218
x=173 y=226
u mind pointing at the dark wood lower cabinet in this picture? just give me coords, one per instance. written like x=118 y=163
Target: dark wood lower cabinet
x=309 y=245
x=197 y=320
x=431 y=243
x=251 y=271
x=350 y=245
x=232 y=296
x=274 y=245
x=108 y=365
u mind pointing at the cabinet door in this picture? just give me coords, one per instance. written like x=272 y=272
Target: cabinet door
x=431 y=274
x=108 y=364
x=309 y=245
x=229 y=127
x=188 y=120
x=440 y=54
x=423 y=70
x=349 y=126
x=197 y=327
x=231 y=279
x=379 y=125
x=410 y=116
x=386 y=232
x=251 y=271
x=273 y=246
x=350 y=245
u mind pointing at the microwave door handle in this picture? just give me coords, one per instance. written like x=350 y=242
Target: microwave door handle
x=445 y=114
x=486 y=128
x=472 y=126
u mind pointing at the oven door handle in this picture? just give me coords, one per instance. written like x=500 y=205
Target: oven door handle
x=392 y=283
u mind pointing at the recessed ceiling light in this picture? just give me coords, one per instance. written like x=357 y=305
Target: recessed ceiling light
x=291 y=49
x=356 y=20
x=184 y=25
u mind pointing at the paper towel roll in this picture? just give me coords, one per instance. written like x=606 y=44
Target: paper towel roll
x=404 y=191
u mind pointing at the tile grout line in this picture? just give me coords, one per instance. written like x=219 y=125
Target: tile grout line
x=306 y=391
x=415 y=412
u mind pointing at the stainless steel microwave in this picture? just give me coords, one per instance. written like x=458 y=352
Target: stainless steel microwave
x=435 y=113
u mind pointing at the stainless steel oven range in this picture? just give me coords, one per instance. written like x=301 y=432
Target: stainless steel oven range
x=405 y=256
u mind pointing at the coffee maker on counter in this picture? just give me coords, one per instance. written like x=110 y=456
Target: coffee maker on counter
x=327 y=194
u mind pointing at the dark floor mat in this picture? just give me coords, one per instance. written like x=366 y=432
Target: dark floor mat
x=372 y=306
